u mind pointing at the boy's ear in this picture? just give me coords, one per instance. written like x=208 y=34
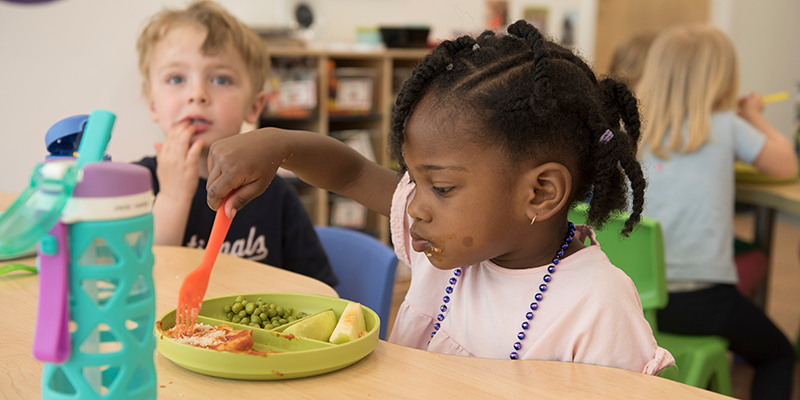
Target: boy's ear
x=546 y=190
x=256 y=107
x=151 y=106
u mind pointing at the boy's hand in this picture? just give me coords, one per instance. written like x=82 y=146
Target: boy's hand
x=177 y=157
x=750 y=106
x=246 y=163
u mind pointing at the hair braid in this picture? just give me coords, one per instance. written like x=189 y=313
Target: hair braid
x=537 y=43
x=630 y=116
x=414 y=88
x=638 y=183
x=624 y=107
x=608 y=178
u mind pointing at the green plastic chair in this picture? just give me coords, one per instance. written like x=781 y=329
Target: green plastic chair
x=702 y=360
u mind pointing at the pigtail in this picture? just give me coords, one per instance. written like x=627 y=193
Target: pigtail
x=624 y=106
x=609 y=178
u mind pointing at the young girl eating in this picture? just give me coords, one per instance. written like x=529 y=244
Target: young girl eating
x=496 y=138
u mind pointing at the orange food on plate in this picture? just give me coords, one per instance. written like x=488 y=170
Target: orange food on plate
x=220 y=338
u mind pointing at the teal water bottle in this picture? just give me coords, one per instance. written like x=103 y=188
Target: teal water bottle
x=109 y=235
x=93 y=226
x=105 y=236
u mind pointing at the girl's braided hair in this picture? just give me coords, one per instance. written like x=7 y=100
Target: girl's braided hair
x=540 y=102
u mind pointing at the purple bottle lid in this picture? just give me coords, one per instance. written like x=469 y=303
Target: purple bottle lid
x=112 y=179
x=109 y=191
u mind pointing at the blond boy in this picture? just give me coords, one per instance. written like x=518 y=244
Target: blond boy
x=203 y=74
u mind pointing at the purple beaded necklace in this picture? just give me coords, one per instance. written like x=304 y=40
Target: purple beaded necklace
x=534 y=306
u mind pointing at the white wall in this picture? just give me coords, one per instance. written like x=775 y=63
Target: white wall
x=767 y=38
x=69 y=57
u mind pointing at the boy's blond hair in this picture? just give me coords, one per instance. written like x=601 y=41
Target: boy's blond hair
x=222 y=29
x=691 y=72
x=629 y=57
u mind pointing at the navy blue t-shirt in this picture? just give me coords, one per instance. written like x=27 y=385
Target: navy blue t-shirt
x=273 y=229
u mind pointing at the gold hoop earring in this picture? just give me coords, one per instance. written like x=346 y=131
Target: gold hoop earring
x=534 y=218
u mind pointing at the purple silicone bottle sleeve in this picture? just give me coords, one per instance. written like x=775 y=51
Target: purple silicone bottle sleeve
x=51 y=342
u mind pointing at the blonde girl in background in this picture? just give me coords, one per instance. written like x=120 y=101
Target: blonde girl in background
x=628 y=60
x=694 y=131
x=496 y=137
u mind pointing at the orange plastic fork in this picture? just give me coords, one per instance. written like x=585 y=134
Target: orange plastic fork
x=194 y=285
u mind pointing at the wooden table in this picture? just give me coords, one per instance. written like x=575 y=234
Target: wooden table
x=391 y=371
x=768 y=199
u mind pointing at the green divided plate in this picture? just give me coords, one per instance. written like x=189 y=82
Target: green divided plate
x=296 y=358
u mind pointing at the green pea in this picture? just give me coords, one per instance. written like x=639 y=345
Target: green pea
x=301 y=315
x=255 y=325
x=258 y=311
x=260 y=303
x=274 y=319
x=272 y=312
x=279 y=310
x=263 y=316
x=255 y=318
x=273 y=306
x=244 y=302
x=245 y=321
x=237 y=307
x=282 y=321
x=290 y=311
x=229 y=316
x=290 y=319
x=227 y=309
x=242 y=314
x=236 y=319
x=276 y=326
x=250 y=307
x=239 y=299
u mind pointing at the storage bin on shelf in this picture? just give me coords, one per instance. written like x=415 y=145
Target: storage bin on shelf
x=350 y=90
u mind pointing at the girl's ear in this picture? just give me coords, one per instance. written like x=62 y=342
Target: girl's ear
x=256 y=107
x=546 y=190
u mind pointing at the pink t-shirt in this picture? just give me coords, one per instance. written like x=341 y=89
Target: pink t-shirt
x=591 y=312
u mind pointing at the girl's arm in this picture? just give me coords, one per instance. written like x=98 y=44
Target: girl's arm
x=249 y=161
x=777 y=158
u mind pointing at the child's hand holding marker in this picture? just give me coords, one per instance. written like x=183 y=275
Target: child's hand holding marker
x=775 y=97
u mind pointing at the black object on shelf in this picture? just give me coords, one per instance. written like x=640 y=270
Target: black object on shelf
x=271 y=121
x=355 y=117
x=405 y=37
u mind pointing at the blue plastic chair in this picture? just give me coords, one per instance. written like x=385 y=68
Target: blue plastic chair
x=365 y=267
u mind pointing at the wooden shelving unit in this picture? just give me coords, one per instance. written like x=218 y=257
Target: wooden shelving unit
x=384 y=63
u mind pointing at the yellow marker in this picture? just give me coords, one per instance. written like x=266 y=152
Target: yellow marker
x=771 y=98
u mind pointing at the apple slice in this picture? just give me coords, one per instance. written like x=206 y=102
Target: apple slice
x=318 y=326
x=351 y=325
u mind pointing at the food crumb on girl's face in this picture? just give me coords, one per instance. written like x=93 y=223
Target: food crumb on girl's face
x=461 y=186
